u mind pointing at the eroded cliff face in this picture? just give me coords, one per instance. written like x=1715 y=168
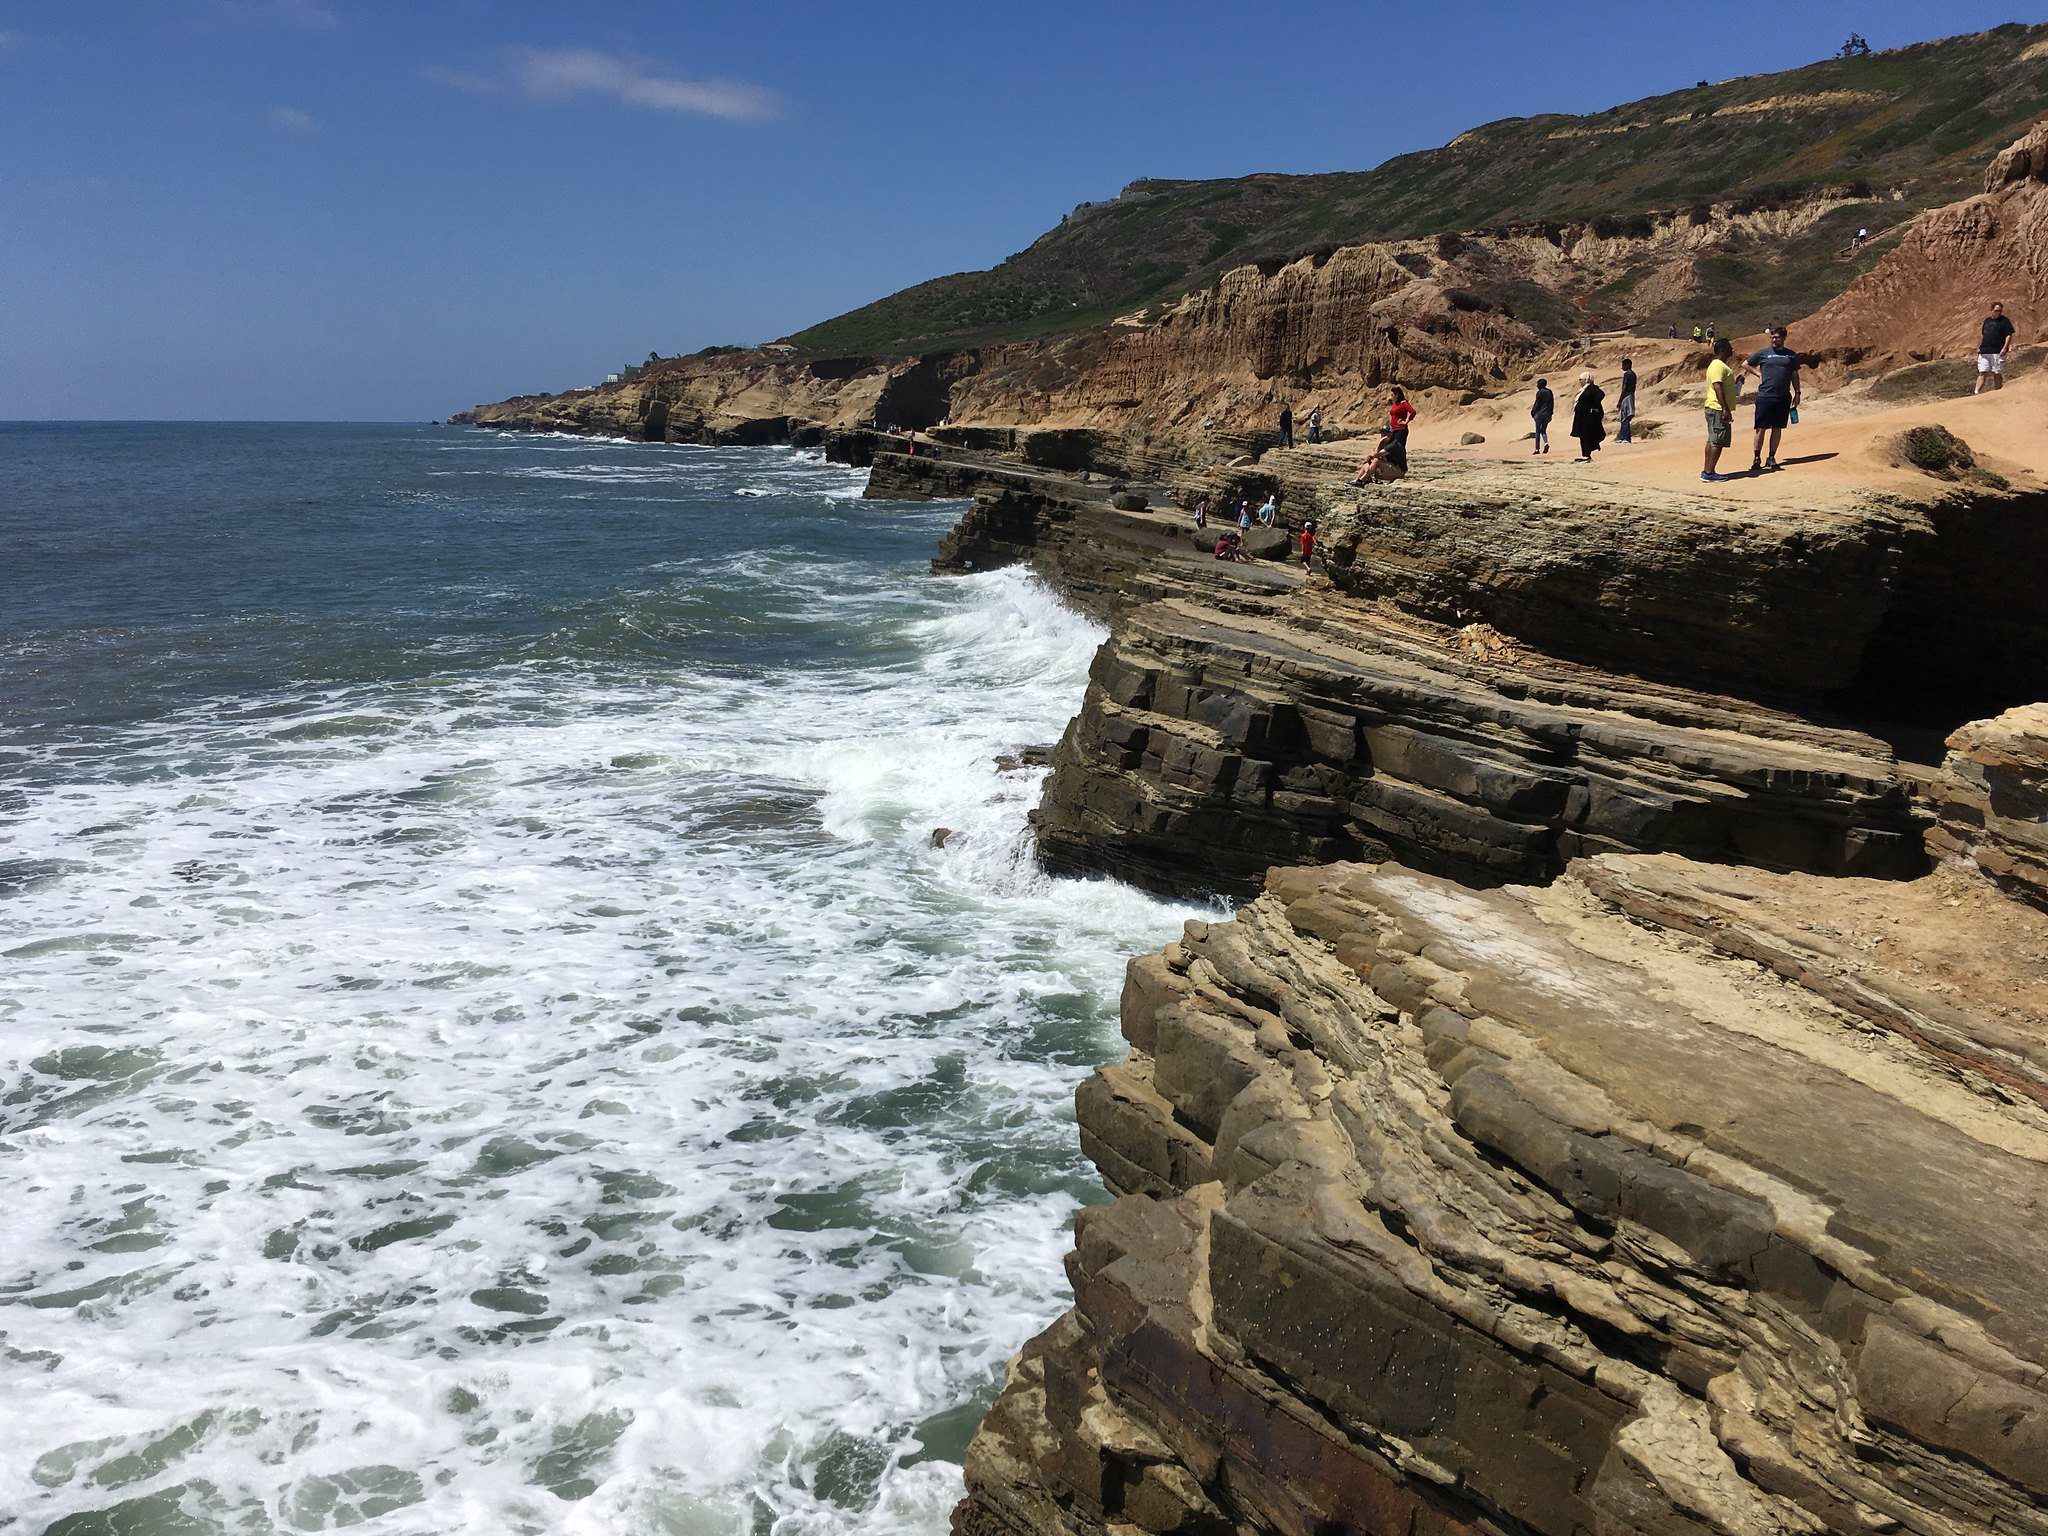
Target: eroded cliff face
x=1926 y=298
x=1203 y=378
x=1670 y=1199
x=1332 y=330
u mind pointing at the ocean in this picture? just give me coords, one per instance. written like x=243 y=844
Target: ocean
x=488 y=1042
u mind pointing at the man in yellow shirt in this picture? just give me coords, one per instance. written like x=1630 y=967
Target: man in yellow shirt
x=1722 y=389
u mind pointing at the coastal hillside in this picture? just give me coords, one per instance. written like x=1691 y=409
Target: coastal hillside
x=1914 y=125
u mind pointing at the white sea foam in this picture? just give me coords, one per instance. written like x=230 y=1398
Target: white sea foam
x=545 y=1102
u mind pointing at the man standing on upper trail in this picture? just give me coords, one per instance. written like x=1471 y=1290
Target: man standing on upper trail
x=1286 y=426
x=1777 y=395
x=1992 y=347
x=1625 y=402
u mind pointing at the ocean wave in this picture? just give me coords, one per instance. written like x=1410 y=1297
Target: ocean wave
x=570 y=1095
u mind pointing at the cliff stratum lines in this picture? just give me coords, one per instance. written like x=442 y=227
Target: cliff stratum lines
x=1621 y=1103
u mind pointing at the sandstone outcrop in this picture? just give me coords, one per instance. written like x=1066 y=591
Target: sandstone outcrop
x=1992 y=800
x=1222 y=733
x=1654 y=675
x=1668 y=1199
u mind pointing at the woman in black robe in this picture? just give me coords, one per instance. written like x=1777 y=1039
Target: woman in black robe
x=1589 y=417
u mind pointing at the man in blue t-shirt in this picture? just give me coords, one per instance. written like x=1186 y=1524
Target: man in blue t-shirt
x=1777 y=395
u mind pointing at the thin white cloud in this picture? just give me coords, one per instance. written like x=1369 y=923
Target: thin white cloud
x=292 y=120
x=462 y=80
x=299 y=13
x=555 y=74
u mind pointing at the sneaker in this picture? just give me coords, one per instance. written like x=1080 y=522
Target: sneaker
x=1711 y=478
x=1772 y=464
x=1756 y=466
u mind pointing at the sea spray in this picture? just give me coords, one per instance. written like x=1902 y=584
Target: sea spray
x=510 y=1056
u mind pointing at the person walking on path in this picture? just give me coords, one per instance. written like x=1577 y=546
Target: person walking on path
x=1625 y=402
x=1777 y=395
x=1722 y=393
x=1286 y=426
x=1993 y=346
x=1710 y=330
x=1541 y=412
x=1589 y=417
x=1244 y=517
x=1400 y=416
x=1269 y=510
x=1202 y=513
x=1308 y=541
x=1315 y=425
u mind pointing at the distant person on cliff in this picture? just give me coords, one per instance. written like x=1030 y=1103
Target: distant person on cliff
x=1993 y=346
x=1710 y=330
x=1625 y=402
x=1541 y=412
x=1269 y=510
x=1244 y=517
x=1722 y=392
x=1698 y=335
x=1286 y=426
x=1589 y=417
x=1315 y=425
x=1777 y=395
x=1400 y=416
x=1308 y=541
x=1202 y=513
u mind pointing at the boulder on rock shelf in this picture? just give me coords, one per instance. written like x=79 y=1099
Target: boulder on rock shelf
x=1129 y=501
x=1470 y=438
x=1268 y=544
x=1992 y=800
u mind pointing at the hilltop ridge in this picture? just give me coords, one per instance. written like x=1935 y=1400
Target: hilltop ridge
x=1918 y=122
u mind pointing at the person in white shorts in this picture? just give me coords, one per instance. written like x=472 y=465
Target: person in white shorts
x=1992 y=347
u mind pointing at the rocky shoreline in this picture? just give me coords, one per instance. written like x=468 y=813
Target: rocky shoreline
x=1621 y=1103
x=1624 y=1108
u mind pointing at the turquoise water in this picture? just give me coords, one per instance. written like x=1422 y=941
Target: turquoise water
x=487 y=1043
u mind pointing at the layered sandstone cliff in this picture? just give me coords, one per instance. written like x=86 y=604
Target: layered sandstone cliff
x=1669 y=1198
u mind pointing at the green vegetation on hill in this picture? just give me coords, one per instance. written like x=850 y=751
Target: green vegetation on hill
x=1923 y=120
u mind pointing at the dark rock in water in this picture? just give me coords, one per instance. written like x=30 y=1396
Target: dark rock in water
x=1025 y=757
x=940 y=836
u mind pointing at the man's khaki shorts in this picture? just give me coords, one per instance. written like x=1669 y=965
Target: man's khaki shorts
x=1720 y=429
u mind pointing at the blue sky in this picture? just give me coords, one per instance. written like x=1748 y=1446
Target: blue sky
x=366 y=209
